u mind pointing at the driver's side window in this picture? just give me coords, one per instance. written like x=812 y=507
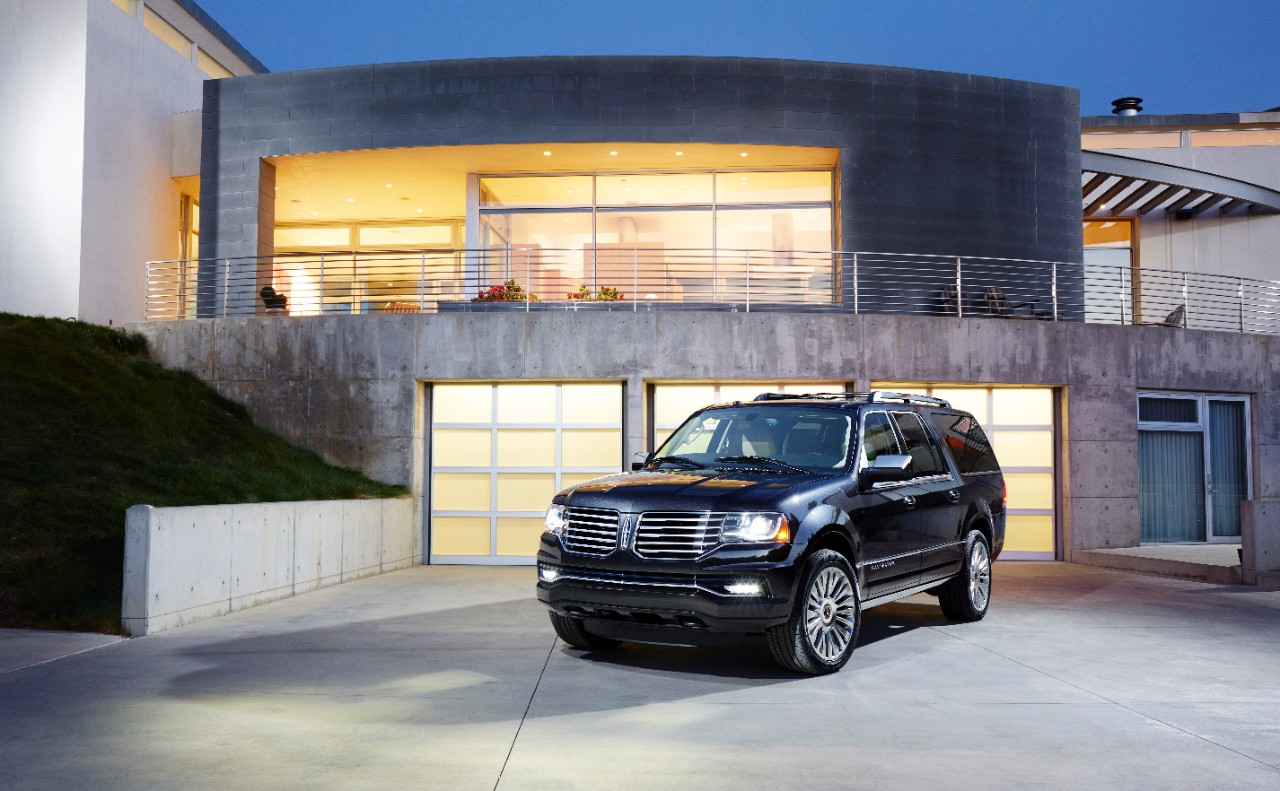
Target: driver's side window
x=878 y=437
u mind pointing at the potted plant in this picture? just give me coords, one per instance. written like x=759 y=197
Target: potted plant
x=509 y=295
x=584 y=298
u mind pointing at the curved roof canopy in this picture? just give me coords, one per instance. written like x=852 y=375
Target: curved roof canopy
x=1115 y=185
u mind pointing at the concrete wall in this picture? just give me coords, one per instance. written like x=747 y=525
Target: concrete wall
x=42 y=91
x=930 y=162
x=349 y=387
x=185 y=564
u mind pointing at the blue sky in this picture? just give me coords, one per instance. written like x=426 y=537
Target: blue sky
x=1180 y=56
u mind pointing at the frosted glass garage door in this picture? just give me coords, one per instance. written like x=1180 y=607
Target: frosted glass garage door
x=1019 y=421
x=500 y=451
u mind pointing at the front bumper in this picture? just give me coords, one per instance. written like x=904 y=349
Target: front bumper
x=668 y=602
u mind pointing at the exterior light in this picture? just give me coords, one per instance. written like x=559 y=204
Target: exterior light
x=745 y=588
x=548 y=574
x=755 y=527
x=556 y=521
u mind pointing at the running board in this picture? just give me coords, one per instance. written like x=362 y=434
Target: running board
x=902 y=594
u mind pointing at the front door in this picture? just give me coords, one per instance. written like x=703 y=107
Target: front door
x=1193 y=466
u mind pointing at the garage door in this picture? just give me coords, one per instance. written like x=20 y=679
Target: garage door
x=1020 y=422
x=498 y=453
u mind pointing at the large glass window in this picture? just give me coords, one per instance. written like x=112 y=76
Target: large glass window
x=664 y=236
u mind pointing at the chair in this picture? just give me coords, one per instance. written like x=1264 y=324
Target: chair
x=1177 y=318
x=997 y=304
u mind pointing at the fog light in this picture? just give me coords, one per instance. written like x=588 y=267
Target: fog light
x=745 y=588
x=548 y=574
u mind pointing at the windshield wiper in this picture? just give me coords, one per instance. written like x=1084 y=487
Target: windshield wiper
x=763 y=459
x=681 y=460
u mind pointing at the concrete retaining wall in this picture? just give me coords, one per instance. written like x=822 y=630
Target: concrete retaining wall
x=186 y=564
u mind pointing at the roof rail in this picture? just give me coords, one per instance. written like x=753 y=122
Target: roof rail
x=874 y=397
x=880 y=396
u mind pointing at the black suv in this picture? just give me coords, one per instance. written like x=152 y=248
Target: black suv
x=787 y=515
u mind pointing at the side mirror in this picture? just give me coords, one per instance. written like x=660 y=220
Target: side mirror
x=887 y=468
x=639 y=459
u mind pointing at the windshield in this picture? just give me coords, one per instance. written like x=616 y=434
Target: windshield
x=782 y=438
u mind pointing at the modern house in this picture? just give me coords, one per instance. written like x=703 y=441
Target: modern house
x=1102 y=292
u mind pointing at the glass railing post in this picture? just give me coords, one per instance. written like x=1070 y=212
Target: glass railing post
x=320 y=299
x=1240 y=298
x=226 y=285
x=746 y=269
x=635 y=279
x=422 y=284
x=1055 y=290
x=855 y=284
x=959 y=290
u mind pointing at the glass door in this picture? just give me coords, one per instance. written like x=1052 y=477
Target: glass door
x=1193 y=466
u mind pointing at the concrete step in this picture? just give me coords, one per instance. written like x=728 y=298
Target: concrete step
x=1156 y=562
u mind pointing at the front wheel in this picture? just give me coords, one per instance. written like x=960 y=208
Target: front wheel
x=822 y=631
x=966 y=596
x=574 y=632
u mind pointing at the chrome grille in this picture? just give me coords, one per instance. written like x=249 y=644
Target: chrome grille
x=591 y=531
x=677 y=535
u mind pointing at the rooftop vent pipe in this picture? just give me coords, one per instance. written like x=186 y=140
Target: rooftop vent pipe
x=1129 y=105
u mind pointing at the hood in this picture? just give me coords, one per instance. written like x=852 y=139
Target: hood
x=684 y=490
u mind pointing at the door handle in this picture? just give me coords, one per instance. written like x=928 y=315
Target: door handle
x=909 y=501
x=954 y=495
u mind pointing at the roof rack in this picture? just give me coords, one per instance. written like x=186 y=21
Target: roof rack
x=873 y=397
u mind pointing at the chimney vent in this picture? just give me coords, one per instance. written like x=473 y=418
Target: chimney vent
x=1129 y=105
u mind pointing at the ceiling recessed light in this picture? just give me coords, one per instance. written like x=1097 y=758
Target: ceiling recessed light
x=351 y=200
x=389 y=186
x=613 y=153
x=743 y=154
x=679 y=153
x=419 y=211
x=546 y=153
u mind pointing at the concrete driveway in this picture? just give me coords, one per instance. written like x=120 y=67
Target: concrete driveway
x=451 y=678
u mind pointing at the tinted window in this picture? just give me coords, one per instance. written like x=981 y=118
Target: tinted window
x=878 y=438
x=967 y=442
x=926 y=460
x=812 y=439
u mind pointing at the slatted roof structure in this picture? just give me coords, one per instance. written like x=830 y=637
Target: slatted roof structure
x=1114 y=185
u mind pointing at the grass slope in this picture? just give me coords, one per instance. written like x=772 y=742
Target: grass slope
x=90 y=426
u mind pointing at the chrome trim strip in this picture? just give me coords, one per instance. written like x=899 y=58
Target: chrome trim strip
x=892 y=597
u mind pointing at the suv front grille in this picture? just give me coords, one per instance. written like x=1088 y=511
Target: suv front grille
x=684 y=583
x=677 y=535
x=591 y=531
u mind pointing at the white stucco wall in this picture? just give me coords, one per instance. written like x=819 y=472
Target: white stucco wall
x=135 y=84
x=42 y=121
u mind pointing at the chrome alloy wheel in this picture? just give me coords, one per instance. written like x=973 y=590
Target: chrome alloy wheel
x=979 y=575
x=829 y=614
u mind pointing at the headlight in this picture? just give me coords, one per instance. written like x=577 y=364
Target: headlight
x=556 y=521
x=755 y=527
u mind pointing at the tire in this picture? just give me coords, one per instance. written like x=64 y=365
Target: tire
x=966 y=596
x=574 y=632
x=826 y=617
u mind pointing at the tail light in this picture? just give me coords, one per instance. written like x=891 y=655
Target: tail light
x=1004 y=490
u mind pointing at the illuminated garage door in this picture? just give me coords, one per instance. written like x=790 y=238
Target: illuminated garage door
x=672 y=403
x=500 y=451
x=1019 y=421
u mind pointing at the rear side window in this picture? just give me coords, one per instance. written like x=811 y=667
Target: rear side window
x=967 y=442
x=925 y=455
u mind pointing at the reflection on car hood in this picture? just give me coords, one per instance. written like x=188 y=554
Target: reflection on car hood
x=685 y=490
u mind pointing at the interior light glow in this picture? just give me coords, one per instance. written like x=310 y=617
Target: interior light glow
x=743 y=154
x=314 y=213
x=419 y=211
x=679 y=153
x=389 y=186
x=613 y=153
x=546 y=153
x=351 y=200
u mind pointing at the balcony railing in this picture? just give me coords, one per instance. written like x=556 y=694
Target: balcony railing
x=647 y=278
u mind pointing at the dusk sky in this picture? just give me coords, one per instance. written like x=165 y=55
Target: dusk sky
x=1181 y=56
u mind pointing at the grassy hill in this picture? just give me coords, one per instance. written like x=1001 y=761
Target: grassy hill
x=90 y=426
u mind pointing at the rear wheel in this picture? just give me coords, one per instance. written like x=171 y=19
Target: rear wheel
x=822 y=631
x=574 y=632
x=966 y=596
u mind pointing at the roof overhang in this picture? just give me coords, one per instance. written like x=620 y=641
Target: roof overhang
x=1117 y=185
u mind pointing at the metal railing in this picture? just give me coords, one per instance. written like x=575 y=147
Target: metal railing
x=645 y=278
